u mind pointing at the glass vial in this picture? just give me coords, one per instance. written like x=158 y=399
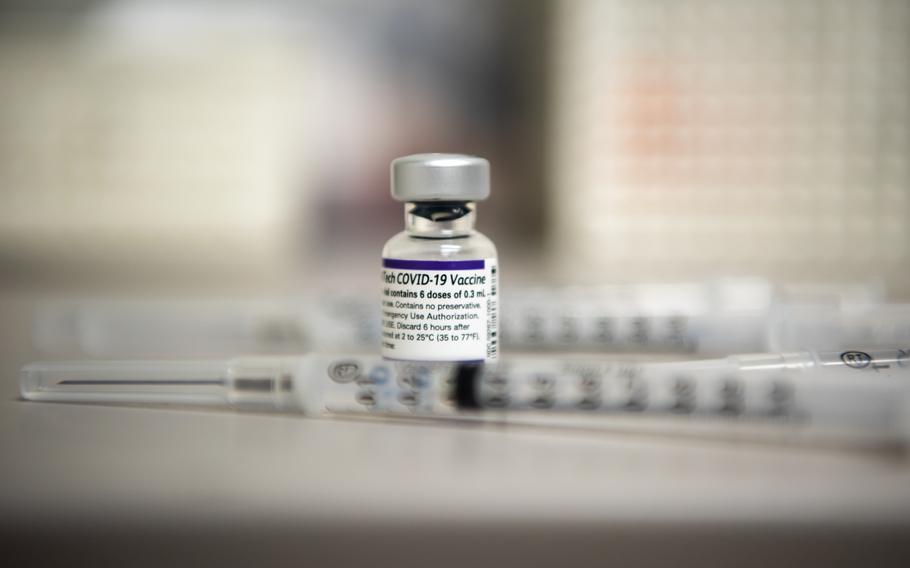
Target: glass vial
x=439 y=275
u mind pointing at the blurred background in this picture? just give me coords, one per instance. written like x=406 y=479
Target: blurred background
x=246 y=145
x=202 y=145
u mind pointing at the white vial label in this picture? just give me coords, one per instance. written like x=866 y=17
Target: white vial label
x=439 y=310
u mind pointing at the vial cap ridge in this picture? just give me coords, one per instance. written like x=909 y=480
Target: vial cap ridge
x=440 y=177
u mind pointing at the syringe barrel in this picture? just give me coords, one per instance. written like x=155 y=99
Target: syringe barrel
x=851 y=396
x=252 y=383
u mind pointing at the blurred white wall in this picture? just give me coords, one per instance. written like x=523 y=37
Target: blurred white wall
x=236 y=144
x=150 y=137
x=700 y=138
x=249 y=141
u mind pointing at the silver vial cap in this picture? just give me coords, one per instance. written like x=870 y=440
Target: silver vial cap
x=440 y=177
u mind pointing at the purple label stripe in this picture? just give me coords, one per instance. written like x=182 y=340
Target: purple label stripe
x=435 y=361
x=433 y=264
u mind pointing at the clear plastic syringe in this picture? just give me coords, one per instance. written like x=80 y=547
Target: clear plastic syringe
x=853 y=397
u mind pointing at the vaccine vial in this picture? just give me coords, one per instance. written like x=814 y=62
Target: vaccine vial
x=439 y=275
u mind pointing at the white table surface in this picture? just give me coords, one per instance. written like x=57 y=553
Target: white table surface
x=151 y=486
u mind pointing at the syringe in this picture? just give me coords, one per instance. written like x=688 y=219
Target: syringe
x=712 y=318
x=855 y=397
